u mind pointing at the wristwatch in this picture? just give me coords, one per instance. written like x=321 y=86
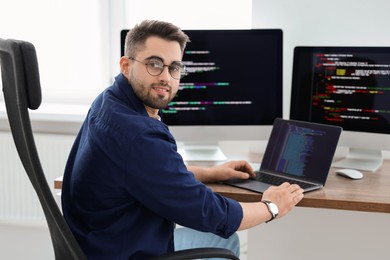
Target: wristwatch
x=272 y=208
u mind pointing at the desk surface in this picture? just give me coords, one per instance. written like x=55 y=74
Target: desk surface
x=370 y=194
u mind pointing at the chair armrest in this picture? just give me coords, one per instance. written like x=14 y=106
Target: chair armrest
x=197 y=253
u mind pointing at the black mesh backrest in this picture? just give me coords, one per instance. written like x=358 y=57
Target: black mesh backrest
x=22 y=90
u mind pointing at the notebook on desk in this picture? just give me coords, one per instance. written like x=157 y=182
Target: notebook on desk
x=297 y=152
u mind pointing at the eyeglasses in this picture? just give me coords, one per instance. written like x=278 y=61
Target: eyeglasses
x=155 y=67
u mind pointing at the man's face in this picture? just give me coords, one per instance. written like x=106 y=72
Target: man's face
x=154 y=91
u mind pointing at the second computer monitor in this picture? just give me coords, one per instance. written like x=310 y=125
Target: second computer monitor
x=348 y=87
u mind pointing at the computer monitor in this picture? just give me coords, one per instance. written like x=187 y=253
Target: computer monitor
x=348 y=87
x=232 y=90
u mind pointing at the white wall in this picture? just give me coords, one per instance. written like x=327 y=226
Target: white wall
x=19 y=242
x=322 y=234
x=322 y=23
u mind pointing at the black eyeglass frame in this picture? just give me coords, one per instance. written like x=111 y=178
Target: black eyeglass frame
x=170 y=67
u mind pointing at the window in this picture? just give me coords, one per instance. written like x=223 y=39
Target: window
x=78 y=42
x=68 y=37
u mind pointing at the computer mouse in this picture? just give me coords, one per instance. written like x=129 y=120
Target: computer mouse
x=350 y=173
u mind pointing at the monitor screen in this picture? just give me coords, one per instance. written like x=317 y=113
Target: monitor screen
x=233 y=77
x=233 y=83
x=344 y=86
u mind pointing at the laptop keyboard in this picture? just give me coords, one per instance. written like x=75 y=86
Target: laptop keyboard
x=277 y=180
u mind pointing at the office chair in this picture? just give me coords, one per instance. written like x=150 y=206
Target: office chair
x=22 y=91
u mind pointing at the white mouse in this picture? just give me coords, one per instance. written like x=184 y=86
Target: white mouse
x=350 y=173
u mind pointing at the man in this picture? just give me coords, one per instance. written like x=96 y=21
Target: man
x=125 y=186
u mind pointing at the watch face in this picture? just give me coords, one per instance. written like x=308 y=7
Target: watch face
x=273 y=208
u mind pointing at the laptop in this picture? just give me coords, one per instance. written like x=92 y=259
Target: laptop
x=297 y=152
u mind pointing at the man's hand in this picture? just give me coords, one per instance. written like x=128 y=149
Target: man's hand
x=285 y=196
x=223 y=172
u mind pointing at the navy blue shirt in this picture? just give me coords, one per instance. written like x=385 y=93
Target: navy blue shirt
x=125 y=186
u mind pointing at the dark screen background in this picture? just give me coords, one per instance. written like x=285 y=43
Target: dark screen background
x=234 y=78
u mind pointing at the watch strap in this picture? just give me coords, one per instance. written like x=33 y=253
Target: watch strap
x=273 y=215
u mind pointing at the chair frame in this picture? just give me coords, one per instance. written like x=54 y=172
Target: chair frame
x=17 y=57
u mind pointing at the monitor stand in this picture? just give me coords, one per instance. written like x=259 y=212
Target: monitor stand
x=201 y=152
x=361 y=159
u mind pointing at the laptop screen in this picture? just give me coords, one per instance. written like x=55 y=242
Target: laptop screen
x=301 y=149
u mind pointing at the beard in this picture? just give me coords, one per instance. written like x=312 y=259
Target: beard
x=145 y=93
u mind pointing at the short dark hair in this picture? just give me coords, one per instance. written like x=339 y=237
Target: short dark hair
x=136 y=37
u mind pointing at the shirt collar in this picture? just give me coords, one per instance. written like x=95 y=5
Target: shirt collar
x=125 y=92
